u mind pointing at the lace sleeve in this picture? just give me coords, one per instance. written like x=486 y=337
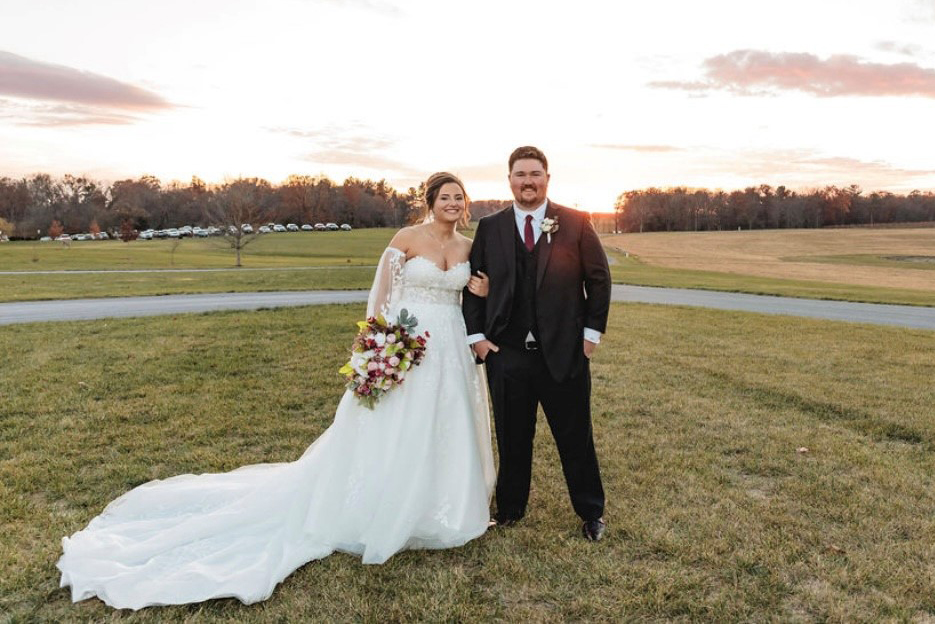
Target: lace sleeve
x=387 y=283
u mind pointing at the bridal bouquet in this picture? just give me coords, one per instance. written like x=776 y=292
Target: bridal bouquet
x=382 y=355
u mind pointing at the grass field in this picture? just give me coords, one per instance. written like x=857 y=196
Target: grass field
x=633 y=270
x=299 y=261
x=72 y=286
x=715 y=513
x=797 y=263
x=300 y=249
x=892 y=265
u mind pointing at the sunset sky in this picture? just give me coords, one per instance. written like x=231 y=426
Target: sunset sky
x=620 y=95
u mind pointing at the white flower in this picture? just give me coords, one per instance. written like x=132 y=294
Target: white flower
x=359 y=361
x=380 y=339
x=548 y=226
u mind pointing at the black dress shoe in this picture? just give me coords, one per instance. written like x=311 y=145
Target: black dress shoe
x=593 y=530
x=502 y=522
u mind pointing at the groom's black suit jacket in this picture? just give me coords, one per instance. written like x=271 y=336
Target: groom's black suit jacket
x=572 y=285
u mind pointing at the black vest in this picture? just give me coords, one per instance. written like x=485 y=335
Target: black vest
x=523 y=313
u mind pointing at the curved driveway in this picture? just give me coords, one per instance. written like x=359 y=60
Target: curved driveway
x=84 y=309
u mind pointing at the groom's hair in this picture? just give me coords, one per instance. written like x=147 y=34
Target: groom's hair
x=528 y=151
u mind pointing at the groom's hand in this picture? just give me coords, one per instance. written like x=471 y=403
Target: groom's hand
x=589 y=348
x=482 y=349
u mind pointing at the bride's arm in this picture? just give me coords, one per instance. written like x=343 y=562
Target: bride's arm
x=387 y=281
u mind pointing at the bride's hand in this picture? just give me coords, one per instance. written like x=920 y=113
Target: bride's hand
x=479 y=285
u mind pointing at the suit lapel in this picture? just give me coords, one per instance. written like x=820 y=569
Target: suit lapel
x=506 y=230
x=545 y=247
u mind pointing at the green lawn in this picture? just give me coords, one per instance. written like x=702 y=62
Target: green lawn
x=285 y=259
x=630 y=270
x=267 y=251
x=294 y=261
x=893 y=261
x=714 y=513
x=70 y=286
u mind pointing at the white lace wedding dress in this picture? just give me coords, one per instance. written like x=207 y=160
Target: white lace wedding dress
x=416 y=472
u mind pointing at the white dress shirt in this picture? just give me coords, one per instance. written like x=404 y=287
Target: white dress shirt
x=591 y=335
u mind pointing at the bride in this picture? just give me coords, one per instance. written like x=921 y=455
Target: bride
x=415 y=472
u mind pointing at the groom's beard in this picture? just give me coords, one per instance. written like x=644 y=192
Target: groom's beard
x=532 y=203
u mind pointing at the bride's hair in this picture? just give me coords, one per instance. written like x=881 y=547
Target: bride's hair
x=432 y=187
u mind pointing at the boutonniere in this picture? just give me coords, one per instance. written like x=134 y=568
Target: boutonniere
x=548 y=226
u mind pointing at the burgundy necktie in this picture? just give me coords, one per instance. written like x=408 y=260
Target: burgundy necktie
x=528 y=238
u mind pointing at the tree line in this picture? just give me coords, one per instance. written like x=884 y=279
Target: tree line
x=40 y=204
x=756 y=207
x=30 y=205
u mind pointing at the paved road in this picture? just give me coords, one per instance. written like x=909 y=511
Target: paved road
x=218 y=270
x=82 y=309
x=879 y=314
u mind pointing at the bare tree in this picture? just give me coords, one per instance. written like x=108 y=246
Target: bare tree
x=237 y=204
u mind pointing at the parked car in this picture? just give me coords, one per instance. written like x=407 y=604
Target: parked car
x=64 y=238
x=264 y=229
x=346 y=227
x=103 y=236
x=279 y=228
x=292 y=227
x=247 y=228
x=320 y=227
x=332 y=226
x=307 y=228
x=45 y=239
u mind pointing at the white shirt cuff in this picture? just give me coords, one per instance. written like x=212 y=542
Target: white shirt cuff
x=474 y=338
x=592 y=335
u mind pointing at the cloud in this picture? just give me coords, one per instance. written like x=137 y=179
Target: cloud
x=755 y=72
x=906 y=49
x=36 y=80
x=59 y=115
x=350 y=145
x=645 y=149
x=803 y=168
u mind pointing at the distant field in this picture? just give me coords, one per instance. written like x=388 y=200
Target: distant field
x=269 y=251
x=882 y=266
x=889 y=265
x=294 y=261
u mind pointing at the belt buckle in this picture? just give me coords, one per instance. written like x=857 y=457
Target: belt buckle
x=532 y=345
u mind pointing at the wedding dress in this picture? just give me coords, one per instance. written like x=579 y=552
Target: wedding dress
x=416 y=472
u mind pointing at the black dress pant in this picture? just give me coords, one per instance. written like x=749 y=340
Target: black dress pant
x=519 y=382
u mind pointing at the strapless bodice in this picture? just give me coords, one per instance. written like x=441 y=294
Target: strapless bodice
x=425 y=282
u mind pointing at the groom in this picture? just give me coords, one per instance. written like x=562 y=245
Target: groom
x=536 y=330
